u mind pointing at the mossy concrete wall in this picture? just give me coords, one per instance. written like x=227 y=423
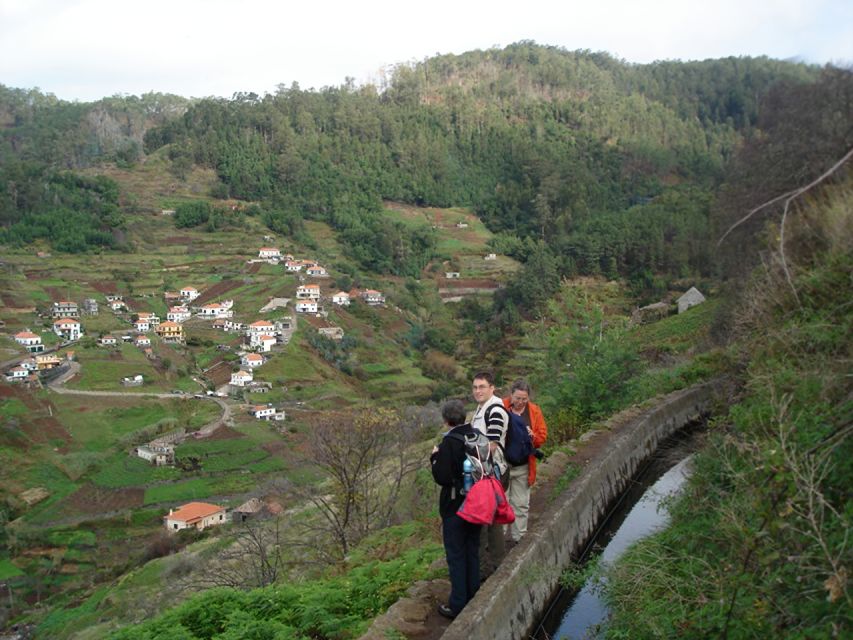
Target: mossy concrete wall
x=511 y=602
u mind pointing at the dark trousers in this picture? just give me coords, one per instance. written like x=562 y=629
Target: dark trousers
x=462 y=547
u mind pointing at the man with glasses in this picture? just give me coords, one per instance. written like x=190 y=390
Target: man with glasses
x=492 y=419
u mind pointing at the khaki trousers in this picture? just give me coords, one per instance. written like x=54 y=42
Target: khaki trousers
x=518 y=495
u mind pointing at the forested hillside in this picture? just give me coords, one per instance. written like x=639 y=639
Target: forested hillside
x=609 y=164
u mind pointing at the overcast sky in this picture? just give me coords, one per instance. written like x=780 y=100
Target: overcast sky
x=88 y=49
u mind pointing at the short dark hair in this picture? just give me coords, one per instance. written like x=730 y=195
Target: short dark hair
x=488 y=376
x=453 y=412
x=520 y=384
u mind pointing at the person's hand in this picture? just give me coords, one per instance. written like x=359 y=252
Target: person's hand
x=434 y=449
x=530 y=431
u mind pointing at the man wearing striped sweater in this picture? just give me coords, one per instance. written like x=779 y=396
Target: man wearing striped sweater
x=492 y=419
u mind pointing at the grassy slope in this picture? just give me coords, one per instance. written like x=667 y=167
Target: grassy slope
x=85 y=448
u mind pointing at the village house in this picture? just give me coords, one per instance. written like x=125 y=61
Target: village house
x=266 y=412
x=90 y=307
x=113 y=297
x=189 y=293
x=257 y=329
x=265 y=343
x=490 y=256
x=29 y=364
x=215 y=310
x=68 y=328
x=269 y=252
x=157 y=454
x=306 y=306
x=292 y=266
x=65 y=309
x=316 y=271
x=30 y=340
x=142 y=341
x=117 y=305
x=252 y=360
x=170 y=331
x=251 y=507
x=285 y=323
x=461 y=225
x=178 y=314
x=308 y=292
x=690 y=299
x=47 y=361
x=133 y=381
x=341 y=298
x=452 y=275
x=373 y=297
x=195 y=514
x=145 y=321
x=173 y=297
x=17 y=374
x=221 y=324
x=233 y=325
x=241 y=378
x=108 y=341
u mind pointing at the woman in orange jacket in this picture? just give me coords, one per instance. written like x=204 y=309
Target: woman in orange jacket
x=522 y=477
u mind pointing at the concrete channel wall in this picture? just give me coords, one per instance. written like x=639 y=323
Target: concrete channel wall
x=511 y=602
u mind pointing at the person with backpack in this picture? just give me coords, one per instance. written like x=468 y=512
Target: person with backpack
x=523 y=475
x=461 y=538
x=492 y=419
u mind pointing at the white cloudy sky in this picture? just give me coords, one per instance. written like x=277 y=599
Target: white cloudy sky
x=87 y=49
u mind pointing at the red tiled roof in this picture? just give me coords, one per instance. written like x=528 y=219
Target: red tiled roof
x=195 y=511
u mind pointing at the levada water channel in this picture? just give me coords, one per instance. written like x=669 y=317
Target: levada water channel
x=581 y=613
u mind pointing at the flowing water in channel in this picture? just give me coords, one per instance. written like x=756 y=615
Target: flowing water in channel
x=576 y=615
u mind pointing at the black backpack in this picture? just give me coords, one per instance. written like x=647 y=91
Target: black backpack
x=518 y=444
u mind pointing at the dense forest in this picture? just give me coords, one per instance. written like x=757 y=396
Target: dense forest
x=605 y=166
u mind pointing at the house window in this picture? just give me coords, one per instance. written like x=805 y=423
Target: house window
x=175 y=525
x=220 y=516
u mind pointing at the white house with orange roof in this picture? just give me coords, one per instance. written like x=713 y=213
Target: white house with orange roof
x=308 y=292
x=292 y=266
x=265 y=343
x=372 y=297
x=108 y=341
x=316 y=271
x=257 y=329
x=199 y=515
x=178 y=314
x=142 y=341
x=32 y=341
x=216 y=310
x=252 y=360
x=266 y=412
x=241 y=378
x=341 y=298
x=68 y=328
x=145 y=321
x=189 y=293
x=306 y=306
